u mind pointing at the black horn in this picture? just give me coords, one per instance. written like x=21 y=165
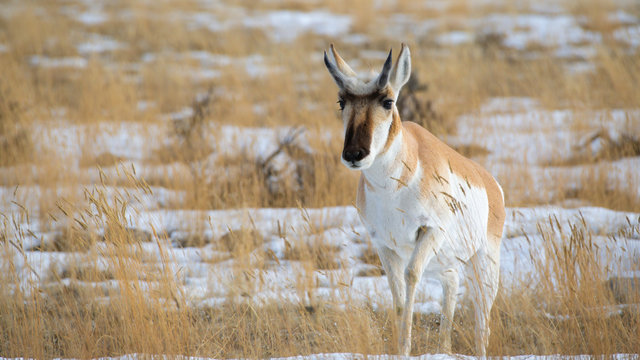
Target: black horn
x=334 y=71
x=383 y=78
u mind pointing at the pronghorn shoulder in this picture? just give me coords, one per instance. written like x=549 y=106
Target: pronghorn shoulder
x=438 y=160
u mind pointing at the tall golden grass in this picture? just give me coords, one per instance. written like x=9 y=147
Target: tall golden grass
x=66 y=318
x=574 y=309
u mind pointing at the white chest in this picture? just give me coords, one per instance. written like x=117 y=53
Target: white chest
x=393 y=216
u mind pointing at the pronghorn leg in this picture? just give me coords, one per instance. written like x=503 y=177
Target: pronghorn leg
x=426 y=246
x=485 y=279
x=394 y=268
x=450 y=282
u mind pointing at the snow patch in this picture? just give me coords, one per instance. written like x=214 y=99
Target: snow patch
x=286 y=25
x=64 y=62
x=523 y=30
x=98 y=44
x=455 y=38
x=622 y=17
x=629 y=35
x=92 y=17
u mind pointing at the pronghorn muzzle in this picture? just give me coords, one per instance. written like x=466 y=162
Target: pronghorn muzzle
x=357 y=141
x=354 y=154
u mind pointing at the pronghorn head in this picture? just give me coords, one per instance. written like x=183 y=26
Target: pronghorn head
x=369 y=110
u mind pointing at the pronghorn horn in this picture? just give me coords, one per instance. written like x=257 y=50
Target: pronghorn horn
x=383 y=78
x=335 y=72
x=342 y=65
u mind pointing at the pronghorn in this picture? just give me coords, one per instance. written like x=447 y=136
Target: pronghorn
x=425 y=206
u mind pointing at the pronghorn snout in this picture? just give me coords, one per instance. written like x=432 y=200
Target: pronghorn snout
x=352 y=154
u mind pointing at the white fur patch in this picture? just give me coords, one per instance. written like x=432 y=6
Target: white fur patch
x=358 y=87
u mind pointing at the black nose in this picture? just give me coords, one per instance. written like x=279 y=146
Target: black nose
x=354 y=154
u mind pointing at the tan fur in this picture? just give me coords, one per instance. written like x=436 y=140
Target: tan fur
x=396 y=127
x=436 y=156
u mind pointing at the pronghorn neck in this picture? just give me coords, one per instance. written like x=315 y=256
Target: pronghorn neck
x=392 y=164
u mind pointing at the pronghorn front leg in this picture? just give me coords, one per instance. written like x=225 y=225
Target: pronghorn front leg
x=428 y=241
x=394 y=268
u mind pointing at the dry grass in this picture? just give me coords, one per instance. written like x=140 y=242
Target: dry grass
x=574 y=308
x=572 y=303
x=65 y=318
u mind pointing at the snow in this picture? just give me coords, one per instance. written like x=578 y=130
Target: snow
x=517 y=129
x=88 y=13
x=255 y=140
x=548 y=30
x=63 y=62
x=516 y=254
x=92 y=17
x=144 y=105
x=545 y=146
x=573 y=52
x=580 y=67
x=522 y=249
x=286 y=26
x=622 y=17
x=629 y=35
x=355 y=39
x=522 y=244
x=553 y=30
x=404 y=25
x=509 y=105
x=130 y=140
x=207 y=21
x=98 y=44
x=123 y=139
x=211 y=65
x=282 y=26
x=455 y=38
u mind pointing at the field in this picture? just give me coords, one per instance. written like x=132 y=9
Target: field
x=171 y=184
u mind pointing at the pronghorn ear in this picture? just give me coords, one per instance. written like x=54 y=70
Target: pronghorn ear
x=401 y=70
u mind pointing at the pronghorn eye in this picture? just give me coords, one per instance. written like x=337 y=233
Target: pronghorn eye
x=387 y=104
x=341 y=102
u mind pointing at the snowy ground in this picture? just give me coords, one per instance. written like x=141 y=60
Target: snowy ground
x=543 y=146
x=207 y=272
